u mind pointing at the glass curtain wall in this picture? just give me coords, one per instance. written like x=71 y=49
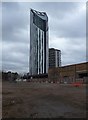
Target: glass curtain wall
x=38 y=43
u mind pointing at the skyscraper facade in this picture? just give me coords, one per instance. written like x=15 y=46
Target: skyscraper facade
x=38 y=42
x=54 y=58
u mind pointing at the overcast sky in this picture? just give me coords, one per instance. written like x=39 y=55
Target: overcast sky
x=67 y=32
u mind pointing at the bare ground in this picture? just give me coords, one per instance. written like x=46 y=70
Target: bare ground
x=43 y=100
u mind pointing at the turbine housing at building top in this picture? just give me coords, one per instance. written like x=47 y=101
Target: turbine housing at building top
x=38 y=42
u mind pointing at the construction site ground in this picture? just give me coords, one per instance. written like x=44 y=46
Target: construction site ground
x=43 y=100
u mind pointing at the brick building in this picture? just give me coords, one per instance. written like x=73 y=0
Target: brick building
x=70 y=73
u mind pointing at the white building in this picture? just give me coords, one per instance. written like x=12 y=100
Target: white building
x=54 y=58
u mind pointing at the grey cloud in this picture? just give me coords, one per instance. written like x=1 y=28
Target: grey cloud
x=15 y=53
x=21 y=68
x=13 y=19
x=66 y=32
x=73 y=57
x=72 y=50
x=10 y=5
x=73 y=27
x=56 y=7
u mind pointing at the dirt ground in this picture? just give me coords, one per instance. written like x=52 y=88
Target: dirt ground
x=0 y=99
x=43 y=100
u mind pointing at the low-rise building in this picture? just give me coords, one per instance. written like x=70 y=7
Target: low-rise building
x=69 y=73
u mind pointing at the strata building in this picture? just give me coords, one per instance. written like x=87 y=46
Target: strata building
x=38 y=43
x=54 y=58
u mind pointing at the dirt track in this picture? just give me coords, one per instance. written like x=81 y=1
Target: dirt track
x=0 y=99
x=43 y=100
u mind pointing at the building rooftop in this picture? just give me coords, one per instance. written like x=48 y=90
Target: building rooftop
x=54 y=49
x=42 y=15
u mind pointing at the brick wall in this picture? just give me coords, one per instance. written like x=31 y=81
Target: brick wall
x=66 y=73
